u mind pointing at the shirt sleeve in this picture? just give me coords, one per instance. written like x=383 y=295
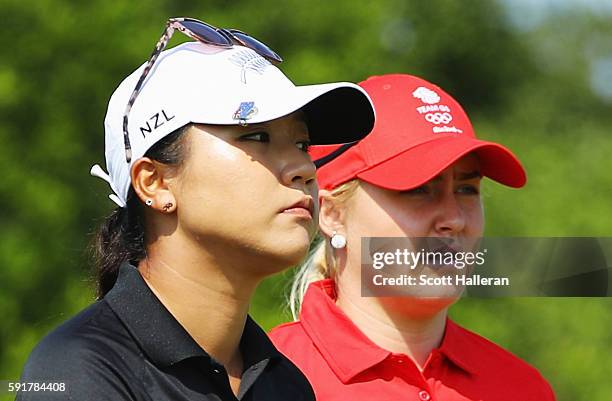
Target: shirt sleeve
x=82 y=370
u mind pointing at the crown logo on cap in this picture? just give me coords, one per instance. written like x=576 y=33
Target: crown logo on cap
x=426 y=95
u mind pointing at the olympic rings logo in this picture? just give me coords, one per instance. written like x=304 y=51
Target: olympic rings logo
x=439 y=118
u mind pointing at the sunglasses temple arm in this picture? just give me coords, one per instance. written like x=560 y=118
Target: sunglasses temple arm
x=159 y=47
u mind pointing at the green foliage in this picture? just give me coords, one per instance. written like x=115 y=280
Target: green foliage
x=529 y=90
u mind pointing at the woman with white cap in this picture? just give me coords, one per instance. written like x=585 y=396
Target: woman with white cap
x=416 y=175
x=206 y=150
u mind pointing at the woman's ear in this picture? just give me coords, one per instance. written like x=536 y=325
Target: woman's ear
x=151 y=181
x=331 y=214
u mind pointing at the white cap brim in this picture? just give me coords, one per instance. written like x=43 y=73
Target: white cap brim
x=335 y=112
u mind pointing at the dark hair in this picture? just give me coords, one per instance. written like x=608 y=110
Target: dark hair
x=121 y=235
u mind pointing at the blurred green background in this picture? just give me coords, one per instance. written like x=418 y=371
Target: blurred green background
x=534 y=75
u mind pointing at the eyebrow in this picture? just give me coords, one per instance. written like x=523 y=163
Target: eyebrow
x=470 y=175
x=461 y=176
x=301 y=117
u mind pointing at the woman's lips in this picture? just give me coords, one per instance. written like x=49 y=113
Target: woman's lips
x=299 y=211
x=303 y=208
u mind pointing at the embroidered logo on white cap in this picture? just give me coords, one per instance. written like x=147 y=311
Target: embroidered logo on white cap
x=249 y=61
x=245 y=111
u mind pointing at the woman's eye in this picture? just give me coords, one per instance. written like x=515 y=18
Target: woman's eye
x=416 y=191
x=468 y=190
x=303 y=145
x=256 y=136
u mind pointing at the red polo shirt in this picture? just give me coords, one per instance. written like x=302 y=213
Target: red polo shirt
x=341 y=363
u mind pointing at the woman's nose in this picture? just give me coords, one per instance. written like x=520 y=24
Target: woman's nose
x=450 y=218
x=298 y=169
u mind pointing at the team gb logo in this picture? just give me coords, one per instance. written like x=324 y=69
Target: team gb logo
x=426 y=95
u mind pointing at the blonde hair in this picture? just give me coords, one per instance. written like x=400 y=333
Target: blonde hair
x=320 y=263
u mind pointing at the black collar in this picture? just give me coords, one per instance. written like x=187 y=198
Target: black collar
x=161 y=336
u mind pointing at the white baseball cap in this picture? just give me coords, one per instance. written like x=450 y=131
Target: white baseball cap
x=198 y=83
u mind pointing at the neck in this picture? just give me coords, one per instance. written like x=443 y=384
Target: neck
x=209 y=303
x=391 y=326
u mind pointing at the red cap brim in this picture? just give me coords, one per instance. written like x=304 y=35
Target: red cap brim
x=419 y=164
x=317 y=152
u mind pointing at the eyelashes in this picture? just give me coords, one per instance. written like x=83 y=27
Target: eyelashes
x=425 y=190
x=264 y=137
x=256 y=137
x=303 y=145
x=469 y=190
x=422 y=190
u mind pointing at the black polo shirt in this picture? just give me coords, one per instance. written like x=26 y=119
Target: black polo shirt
x=127 y=346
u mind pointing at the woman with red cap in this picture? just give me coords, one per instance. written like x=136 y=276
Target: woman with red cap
x=417 y=174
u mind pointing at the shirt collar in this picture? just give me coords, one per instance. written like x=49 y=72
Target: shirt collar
x=339 y=340
x=255 y=345
x=458 y=346
x=160 y=335
x=335 y=335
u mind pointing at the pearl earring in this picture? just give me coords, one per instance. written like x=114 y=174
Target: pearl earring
x=338 y=241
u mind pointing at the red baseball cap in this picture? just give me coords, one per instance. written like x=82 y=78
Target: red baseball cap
x=420 y=130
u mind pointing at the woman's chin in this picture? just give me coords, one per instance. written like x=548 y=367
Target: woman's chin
x=420 y=307
x=285 y=253
x=295 y=252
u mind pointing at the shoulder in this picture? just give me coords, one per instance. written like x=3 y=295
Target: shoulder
x=91 y=353
x=92 y=335
x=500 y=367
x=490 y=354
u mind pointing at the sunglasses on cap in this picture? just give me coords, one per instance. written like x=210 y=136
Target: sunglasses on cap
x=202 y=32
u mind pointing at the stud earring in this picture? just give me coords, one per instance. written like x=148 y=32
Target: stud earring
x=338 y=241
x=149 y=202
x=167 y=206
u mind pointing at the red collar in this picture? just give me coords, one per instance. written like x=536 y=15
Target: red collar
x=340 y=341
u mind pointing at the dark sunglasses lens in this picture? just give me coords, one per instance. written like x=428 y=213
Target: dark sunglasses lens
x=256 y=45
x=206 y=33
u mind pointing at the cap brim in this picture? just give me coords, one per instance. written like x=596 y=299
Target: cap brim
x=340 y=115
x=335 y=113
x=421 y=163
x=321 y=151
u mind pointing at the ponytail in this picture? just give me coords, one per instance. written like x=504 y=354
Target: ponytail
x=121 y=236
x=321 y=263
x=314 y=268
